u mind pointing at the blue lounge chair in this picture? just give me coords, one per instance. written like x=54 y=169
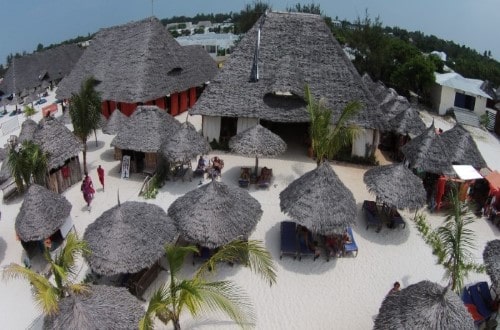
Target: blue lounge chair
x=203 y=254
x=469 y=304
x=304 y=249
x=264 y=180
x=350 y=247
x=478 y=300
x=288 y=239
x=484 y=289
x=244 y=179
x=371 y=215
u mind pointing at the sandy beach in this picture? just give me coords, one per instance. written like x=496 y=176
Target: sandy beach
x=343 y=293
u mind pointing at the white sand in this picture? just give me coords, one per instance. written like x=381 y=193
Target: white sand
x=342 y=294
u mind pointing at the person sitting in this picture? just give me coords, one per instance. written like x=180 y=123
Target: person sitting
x=201 y=164
x=303 y=236
x=217 y=164
x=395 y=288
x=333 y=245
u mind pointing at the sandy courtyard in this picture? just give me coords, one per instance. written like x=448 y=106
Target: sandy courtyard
x=344 y=293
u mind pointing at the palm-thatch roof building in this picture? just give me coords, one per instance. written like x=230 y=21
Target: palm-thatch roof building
x=31 y=71
x=491 y=257
x=142 y=136
x=141 y=63
x=102 y=307
x=43 y=214
x=265 y=78
x=62 y=147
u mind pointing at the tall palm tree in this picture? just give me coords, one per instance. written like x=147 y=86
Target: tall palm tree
x=326 y=139
x=198 y=295
x=85 y=113
x=28 y=163
x=452 y=243
x=63 y=267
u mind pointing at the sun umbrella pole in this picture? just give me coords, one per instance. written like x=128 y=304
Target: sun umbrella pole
x=256 y=166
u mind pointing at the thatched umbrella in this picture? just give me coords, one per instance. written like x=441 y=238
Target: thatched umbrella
x=407 y=122
x=102 y=307
x=319 y=201
x=257 y=142
x=28 y=128
x=185 y=144
x=31 y=98
x=114 y=122
x=42 y=213
x=215 y=214
x=128 y=237
x=424 y=305
x=396 y=186
x=491 y=257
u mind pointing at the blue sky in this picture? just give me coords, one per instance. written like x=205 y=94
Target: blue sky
x=25 y=23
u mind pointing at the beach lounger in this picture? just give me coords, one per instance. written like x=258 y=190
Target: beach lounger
x=350 y=247
x=479 y=302
x=288 y=239
x=396 y=220
x=485 y=292
x=304 y=250
x=264 y=180
x=469 y=304
x=244 y=179
x=371 y=215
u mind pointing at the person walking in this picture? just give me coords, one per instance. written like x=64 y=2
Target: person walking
x=100 y=174
x=88 y=190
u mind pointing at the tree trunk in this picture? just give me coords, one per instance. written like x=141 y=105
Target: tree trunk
x=95 y=134
x=85 y=156
x=177 y=325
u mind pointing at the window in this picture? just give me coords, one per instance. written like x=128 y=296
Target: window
x=465 y=101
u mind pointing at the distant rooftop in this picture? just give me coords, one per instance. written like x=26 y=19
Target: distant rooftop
x=456 y=81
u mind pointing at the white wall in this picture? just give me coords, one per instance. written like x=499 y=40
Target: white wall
x=447 y=99
x=443 y=98
x=480 y=105
x=211 y=127
x=361 y=146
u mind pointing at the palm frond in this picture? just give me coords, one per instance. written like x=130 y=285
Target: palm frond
x=176 y=256
x=158 y=304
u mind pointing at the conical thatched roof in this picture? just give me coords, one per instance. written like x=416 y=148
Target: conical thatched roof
x=57 y=140
x=294 y=49
x=424 y=305
x=28 y=128
x=257 y=141
x=185 y=144
x=128 y=238
x=32 y=70
x=215 y=214
x=407 y=122
x=319 y=201
x=42 y=213
x=491 y=257
x=146 y=130
x=114 y=122
x=65 y=118
x=396 y=185
x=103 y=307
x=435 y=153
x=138 y=62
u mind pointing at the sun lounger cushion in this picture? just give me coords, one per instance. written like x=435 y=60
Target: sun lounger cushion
x=371 y=215
x=350 y=246
x=478 y=300
x=265 y=177
x=484 y=290
x=469 y=304
x=304 y=250
x=288 y=239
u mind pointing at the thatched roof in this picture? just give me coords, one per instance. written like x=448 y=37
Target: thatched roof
x=407 y=122
x=57 y=140
x=185 y=144
x=295 y=49
x=215 y=214
x=491 y=257
x=5 y=172
x=28 y=128
x=42 y=213
x=424 y=305
x=146 y=130
x=435 y=153
x=30 y=71
x=65 y=118
x=396 y=185
x=103 y=307
x=319 y=201
x=378 y=89
x=138 y=62
x=257 y=141
x=128 y=238
x=3 y=154
x=114 y=122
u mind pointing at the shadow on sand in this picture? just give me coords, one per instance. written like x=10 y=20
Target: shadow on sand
x=3 y=248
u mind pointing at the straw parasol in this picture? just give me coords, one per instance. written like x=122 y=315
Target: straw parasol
x=257 y=142
x=319 y=201
x=491 y=257
x=42 y=213
x=215 y=214
x=128 y=237
x=103 y=307
x=185 y=144
x=114 y=122
x=424 y=305
x=396 y=185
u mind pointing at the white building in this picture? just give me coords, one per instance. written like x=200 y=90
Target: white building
x=211 y=41
x=454 y=91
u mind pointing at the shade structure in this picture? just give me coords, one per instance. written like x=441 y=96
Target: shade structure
x=319 y=201
x=407 y=122
x=215 y=214
x=114 y=122
x=146 y=130
x=42 y=213
x=185 y=144
x=424 y=305
x=31 y=98
x=128 y=237
x=102 y=307
x=491 y=257
x=396 y=186
x=257 y=142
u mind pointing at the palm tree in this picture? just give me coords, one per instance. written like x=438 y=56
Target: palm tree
x=198 y=295
x=63 y=267
x=327 y=140
x=452 y=243
x=85 y=113
x=28 y=163
x=29 y=111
